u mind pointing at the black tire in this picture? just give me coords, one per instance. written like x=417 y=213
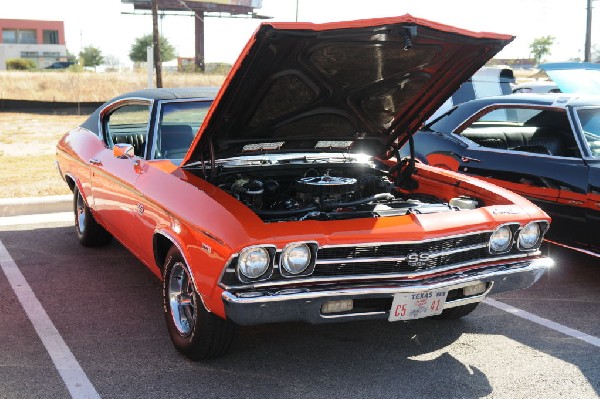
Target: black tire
x=457 y=312
x=195 y=332
x=89 y=232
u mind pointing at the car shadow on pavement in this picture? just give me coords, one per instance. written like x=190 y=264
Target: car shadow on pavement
x=356 y=359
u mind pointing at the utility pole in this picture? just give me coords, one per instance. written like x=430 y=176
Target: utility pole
x=156 y=41
x=199 y=40
x=588 y=33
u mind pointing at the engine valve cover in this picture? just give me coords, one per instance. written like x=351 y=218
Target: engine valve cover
x=326 y=185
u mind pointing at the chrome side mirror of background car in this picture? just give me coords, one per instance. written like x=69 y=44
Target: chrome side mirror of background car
x=123 y=150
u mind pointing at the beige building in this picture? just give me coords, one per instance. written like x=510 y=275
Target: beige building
x=40 y=41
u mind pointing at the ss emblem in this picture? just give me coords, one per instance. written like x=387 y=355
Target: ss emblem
x=416 y=259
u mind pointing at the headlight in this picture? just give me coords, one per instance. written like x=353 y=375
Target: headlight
x=253 y=262
x=529 y=236
x=295 y=258
x=501 y=239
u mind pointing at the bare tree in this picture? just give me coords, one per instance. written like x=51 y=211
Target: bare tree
x=112 y=62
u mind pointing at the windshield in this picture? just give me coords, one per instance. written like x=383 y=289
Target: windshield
x=589 y=118
x=178 y=124
x=576 y=80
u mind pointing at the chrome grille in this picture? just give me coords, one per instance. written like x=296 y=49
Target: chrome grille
x=376 y=266
x=384 y=258
x=401 y=249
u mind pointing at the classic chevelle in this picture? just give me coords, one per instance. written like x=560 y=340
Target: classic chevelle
x=291 y=203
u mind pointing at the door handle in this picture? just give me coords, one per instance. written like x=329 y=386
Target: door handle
x=95 y=161
x=469 y=159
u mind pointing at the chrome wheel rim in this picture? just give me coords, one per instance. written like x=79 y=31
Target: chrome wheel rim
x=80 y=214
x=182 y=299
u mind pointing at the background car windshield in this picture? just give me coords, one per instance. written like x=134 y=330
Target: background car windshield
x=590 y=123
x=517 y=116
x=178 y=125
x=577 y=80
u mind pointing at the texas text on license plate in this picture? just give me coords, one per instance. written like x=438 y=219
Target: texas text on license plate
x=417 y=305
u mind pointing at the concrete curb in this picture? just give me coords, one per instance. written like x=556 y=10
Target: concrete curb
x=35 y=205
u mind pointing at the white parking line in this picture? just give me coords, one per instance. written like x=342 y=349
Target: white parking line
x=69 y=369
x=544 y=322
x=583 y=251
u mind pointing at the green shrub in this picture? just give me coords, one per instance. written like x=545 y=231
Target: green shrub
x=21 y=64
x=75 y=68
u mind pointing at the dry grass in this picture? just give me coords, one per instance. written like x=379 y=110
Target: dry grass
x=526 y=75
x=31 y=176
x=27 y=153
x=88 y=86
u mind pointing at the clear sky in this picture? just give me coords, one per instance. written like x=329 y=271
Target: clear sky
x=106 y=24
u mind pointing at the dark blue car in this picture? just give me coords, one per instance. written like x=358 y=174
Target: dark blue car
x=544 y=147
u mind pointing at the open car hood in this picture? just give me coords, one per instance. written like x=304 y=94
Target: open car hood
x=360 y=86
x=574 y=77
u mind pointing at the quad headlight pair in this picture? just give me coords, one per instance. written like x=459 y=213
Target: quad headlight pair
x=528 y=238
x=256 y=261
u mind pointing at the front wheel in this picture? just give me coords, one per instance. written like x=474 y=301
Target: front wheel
x=89 y=232
x=195 y=332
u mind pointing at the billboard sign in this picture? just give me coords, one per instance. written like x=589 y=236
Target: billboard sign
x=208 y=4
x=241 y=3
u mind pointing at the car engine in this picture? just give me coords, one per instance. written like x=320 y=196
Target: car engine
x=324 y=193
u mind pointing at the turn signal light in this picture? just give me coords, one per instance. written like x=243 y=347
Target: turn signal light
x=337 y=306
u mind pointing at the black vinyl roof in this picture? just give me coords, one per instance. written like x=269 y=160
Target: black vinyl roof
x=173 y=93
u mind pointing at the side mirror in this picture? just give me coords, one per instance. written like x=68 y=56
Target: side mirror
x=123 y=150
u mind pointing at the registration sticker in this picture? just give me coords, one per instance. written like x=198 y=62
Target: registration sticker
x=417 y=305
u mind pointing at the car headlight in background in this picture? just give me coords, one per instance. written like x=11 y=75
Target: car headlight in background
x=295 y=258
x=529 y=236
x=253 y=262
x=501 y=239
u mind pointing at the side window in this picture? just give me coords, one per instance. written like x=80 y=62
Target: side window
x=590 y=123
x=128 y=124
x=534 y=130
x=178 y=124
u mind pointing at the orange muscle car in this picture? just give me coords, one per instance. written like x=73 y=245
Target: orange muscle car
x=283 y=197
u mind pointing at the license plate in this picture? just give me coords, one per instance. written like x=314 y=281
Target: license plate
x=417 y=305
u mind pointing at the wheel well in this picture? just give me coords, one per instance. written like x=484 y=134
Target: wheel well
x=70 y=182
x=161 y=246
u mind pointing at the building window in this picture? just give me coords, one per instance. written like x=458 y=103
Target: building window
x=50 y=37
x=9 y=35
x=29 y=54
x=27 y=36
x=21 y=36
x=51 y=54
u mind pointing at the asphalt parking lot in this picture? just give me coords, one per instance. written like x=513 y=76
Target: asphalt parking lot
x=106 y=308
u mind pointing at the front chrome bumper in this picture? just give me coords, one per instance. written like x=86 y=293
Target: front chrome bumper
x=304 y=304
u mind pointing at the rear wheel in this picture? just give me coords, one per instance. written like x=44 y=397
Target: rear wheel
x=457 y=312
x=89 y=232
x=195 y=332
